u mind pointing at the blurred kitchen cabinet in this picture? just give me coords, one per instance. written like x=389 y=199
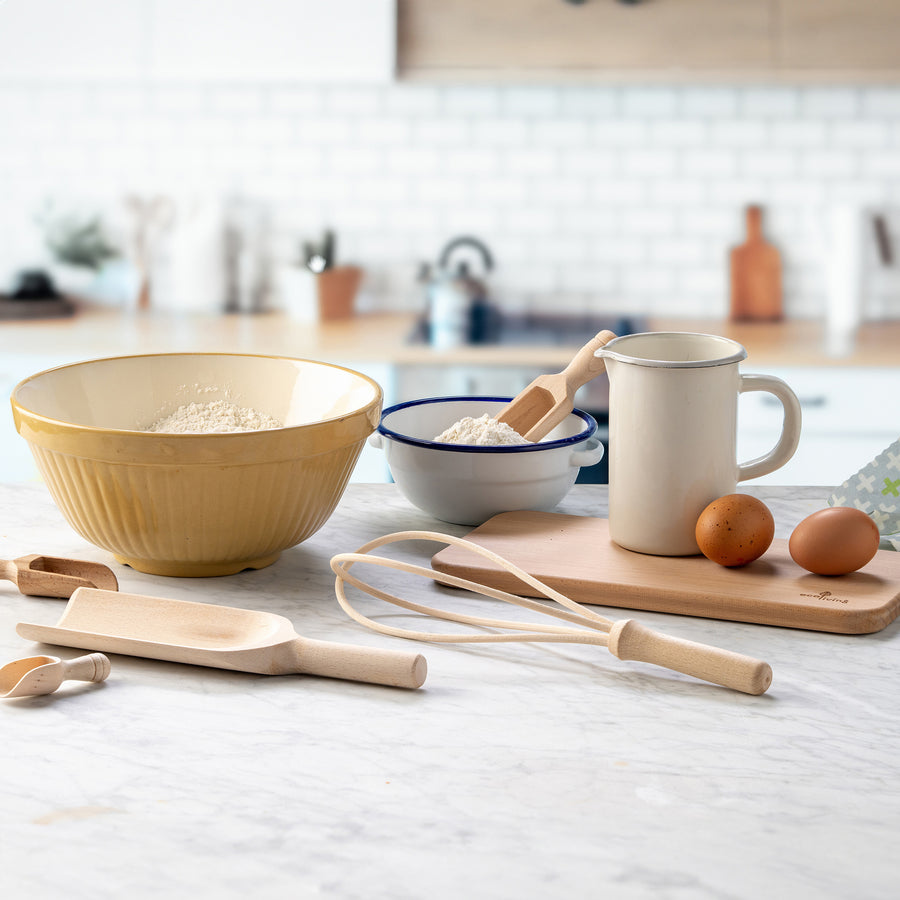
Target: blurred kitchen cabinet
x=54 y=39
x=528 y=38
x=216 y=40
x=412 y=382
x=833 y=35
x=307 y=40
x=846 y=422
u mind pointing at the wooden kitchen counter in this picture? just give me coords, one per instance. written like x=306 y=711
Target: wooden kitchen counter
x=530 y=771
x=385 y=338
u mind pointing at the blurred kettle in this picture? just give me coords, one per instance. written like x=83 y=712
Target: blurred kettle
x=457 y=301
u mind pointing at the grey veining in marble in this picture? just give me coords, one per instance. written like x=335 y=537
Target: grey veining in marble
x=518 y=771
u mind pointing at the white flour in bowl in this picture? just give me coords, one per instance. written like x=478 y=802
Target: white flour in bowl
x=484 y=430
x=214 y=417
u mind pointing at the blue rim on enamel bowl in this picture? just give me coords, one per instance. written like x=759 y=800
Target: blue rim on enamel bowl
x=589 y=430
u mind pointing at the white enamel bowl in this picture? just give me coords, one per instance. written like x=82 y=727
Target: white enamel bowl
x=465 y=484
x=196 y=504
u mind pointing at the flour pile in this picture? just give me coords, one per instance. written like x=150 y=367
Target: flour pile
x=214 y=417
x=484 y=431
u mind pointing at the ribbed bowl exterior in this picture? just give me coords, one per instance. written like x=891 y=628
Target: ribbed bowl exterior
x=197 y=521
x=197 y=504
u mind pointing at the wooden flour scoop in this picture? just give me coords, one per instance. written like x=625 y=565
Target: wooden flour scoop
x=626 y=639
x=537 y=410
x=55 y=576
x=202 y=634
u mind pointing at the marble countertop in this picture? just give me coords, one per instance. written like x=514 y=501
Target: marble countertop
x=528 y=771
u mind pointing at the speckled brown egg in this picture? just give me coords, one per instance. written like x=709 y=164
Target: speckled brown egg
x=735 y=529
x=834 y=541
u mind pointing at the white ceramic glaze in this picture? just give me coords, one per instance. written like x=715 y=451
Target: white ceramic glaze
x=673 y=434
x=466 y=485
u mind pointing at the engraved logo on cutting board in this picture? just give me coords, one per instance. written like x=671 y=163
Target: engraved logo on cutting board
x=828 y=596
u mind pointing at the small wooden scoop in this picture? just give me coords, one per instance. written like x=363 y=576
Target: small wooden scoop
x=537 y=410
x=54 y=576
x=44 y=674
x=202 y=634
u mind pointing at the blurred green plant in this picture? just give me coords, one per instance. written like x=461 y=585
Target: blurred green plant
x=78 y=241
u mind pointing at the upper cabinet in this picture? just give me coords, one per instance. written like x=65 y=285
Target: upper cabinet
x=535 y=38
x=205 y=40
x=61 y=39
x=273 y=40
x=673 y=40
x=854 y=36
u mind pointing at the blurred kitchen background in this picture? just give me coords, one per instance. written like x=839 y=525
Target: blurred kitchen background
x=209 y=157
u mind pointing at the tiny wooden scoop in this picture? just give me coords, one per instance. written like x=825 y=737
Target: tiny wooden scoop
x=55 y=576
x=537 y=410
x=202 y=634
x=44 y=674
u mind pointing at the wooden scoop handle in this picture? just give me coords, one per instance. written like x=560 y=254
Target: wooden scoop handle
x=629 y=639
x=395 y=668
x=94 y=667
x=584 y=365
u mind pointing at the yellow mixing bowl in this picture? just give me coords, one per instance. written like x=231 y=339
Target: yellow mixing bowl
x=195 y=504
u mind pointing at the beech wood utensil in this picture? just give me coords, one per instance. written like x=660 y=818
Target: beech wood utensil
x=626 y=639
x=55 y=576
x=755 y=275
x=202 y=634
x=537 y=410
x=576 y=556
x=44 y=674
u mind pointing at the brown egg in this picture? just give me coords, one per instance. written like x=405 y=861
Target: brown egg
x=834 y=541
x=734 y=530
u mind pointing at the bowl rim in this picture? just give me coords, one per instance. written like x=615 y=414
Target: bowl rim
x=22 y=409
x=588 y=432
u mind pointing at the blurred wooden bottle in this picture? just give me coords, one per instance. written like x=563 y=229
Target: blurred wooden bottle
x=755 y=275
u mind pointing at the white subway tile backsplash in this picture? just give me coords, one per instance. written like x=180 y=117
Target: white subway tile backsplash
x=854 y=133
x=619 y=132
x=440 y=132
x=623 y=197
x=559 y=132
x=771 y=102
x=881 y=102
x=652 y=163
x=526 y=161
x=590 y=102
x=827 y=163
x=733 y=133
x=678 y=133
x=471 y=101
x=767 y=163
x=830 y=102
x=709 y=102
x=799 y=133
x=535 y=101
x=650 y=102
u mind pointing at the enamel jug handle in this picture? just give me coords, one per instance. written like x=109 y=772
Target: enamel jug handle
x=790 y=428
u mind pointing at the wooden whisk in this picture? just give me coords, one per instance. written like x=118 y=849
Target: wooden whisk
x=625 y=638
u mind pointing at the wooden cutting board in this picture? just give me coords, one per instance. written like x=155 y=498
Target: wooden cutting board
x=574 y=555
x=755 y=275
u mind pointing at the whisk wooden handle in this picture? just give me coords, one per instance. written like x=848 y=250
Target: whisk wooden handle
x=629 y=639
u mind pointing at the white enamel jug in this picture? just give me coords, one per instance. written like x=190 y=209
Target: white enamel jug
x=673 y=434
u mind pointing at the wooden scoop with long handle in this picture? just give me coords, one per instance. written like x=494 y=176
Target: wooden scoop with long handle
x=538 y=409
x=38 y=675
x=56 y=576
x=202 y=634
